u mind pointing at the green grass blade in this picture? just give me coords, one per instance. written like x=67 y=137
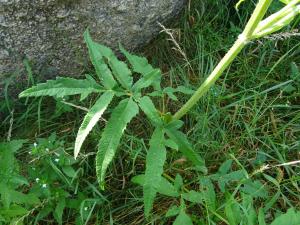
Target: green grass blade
x=154 y=168
x=112 y=134
x=61 y=87
x=91 y=119
x=102 y=69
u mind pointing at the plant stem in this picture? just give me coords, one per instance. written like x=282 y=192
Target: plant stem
x=211 y=79
x=240 y=43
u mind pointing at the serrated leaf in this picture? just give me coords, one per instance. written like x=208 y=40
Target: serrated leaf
x=102 y=69
x=170 y=92
x=193 y=196
x=164 y=187
x=185 y=90
x=174 y=125
x=261 y=217
x=13 y=211
x=155 y=160
x=91 y=119
x=62 y=86
x=224 y=179
x=232 y=210
x=149 y=79
x=112 y=134
x=149 y=109
x=119 y=68
x=208 y=192
x=183 y=219
x=250 y=213
x=12 y=146
x=178 y=183
x=173 y=211
x=255 y=189
x=69 y=171
x=139 y=64
x=171 y=144
x=185 y=147
x=59 y=209
x=225 y=167
x=150 y=76
x=292 y=217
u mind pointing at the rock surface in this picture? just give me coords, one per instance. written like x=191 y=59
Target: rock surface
x=49 y=32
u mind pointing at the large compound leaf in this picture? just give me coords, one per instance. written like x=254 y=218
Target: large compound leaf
x=149 y=109
x=186 y=148
x=61 y=87
x=91 y=119
x=154 y=168
x=119 y=68
x=102 y=69
x=112 y=134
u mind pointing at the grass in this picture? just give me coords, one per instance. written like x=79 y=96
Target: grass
x=249 y=116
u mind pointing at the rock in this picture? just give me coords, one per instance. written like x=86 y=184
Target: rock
x=50 y=32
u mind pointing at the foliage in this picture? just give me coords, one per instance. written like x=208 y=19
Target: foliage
x=51 y=186
x=170 y=171
x=108 y=68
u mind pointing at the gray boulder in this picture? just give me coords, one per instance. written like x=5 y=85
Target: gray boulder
x=50 y=32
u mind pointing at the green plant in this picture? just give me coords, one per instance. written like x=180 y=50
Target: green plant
x=14 y=203
x=115 y=80
x=51 y=188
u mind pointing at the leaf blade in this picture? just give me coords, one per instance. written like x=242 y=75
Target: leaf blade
x=149 y=109
x=154 y=168
x=120 y=69
x=186 y=148
x=183 y=218
x=112 y=134
x=62 y=86
x=91 y=119
x=102 y=70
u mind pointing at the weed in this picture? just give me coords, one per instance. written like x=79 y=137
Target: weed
x=228 y=194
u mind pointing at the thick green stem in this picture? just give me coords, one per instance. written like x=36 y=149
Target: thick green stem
x=241 y=42
x=224 y=63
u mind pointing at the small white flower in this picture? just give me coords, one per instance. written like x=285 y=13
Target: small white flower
x=35 y=144
x=44 y=186
x=37 y=180
x=86 y=208
x=56 y=160
x=47 y=149
x=29 y=152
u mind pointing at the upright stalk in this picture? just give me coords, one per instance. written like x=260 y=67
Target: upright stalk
x=240 y=43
